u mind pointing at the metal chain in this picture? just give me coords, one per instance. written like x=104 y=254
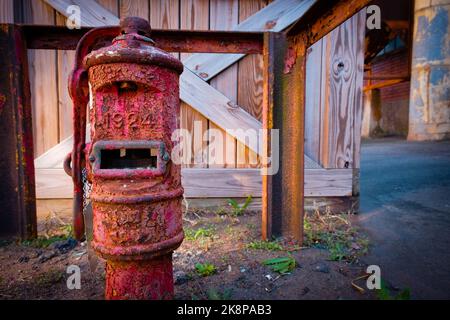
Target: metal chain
x=87 y=187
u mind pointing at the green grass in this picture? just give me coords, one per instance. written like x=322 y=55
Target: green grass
x=205 y=269
x=65 y=232
x=281 y=265
x=384 y=293
x=221 y=211
x=195 y=234
x=265 y=245
x=239 y=209
x=43 y=242
x=335 y=233
x=338 y=251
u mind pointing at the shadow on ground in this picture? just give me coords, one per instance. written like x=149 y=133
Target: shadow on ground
x=405 y=209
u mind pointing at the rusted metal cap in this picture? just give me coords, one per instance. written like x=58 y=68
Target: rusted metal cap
x=133 y=45
x=137 y=25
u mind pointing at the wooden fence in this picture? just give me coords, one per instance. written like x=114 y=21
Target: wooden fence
x=333 y=98
x=241 y=83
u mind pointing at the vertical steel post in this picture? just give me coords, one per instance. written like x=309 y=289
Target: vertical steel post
x=17 y=191
x=284 y=111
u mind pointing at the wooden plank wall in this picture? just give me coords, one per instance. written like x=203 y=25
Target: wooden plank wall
x=224 y=15
x=334 y=97
x=6 y=11
x=242 y=82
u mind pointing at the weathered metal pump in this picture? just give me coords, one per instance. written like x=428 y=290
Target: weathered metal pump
x=130 y=90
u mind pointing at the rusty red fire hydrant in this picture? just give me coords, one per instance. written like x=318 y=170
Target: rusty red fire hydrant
x=131 y=89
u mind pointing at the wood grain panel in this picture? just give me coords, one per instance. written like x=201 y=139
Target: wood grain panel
x=341 y=115
x=93 y=13
x=217 y=107
x=110 y=5
x=313 y=100
x=65 y=64
x=214 y=183
x=134 y=8
x=203 y=183
x=250 y=85
x=43 y=82
x=194 y=15
x=277 y=16
x=6 y=11
x=250 y=80
x=54 y=158
x=193 y=90
x=164 y=14
x=360 y=34
x=196 y=125
x=224 y=15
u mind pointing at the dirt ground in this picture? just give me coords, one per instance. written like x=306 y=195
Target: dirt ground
x=38 y=271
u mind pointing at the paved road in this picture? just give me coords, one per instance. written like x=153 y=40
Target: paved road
x=405 y=208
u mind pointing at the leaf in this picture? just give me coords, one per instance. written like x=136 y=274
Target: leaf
x=275 y=261
x=281 y=265
x=205 y=269
x=247 y=202
x=213 y=294
x=233 y=203
x=199 y=233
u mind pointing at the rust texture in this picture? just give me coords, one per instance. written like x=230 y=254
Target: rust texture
x=131 y=89
x=284 y=110
x=79 y=92
x=58 y=37
x=322 y=18
x=18 y=203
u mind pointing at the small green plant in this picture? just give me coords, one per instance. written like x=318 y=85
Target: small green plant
x=43 y=242
x=335 y=233
x=337 y=251
x=265 y=245
x=384 y=294
x=67 y=230
x=192 y=235
x=282 y=265
x=221 y=211
x=238 y=209
x=214 y=294
x=205 y=269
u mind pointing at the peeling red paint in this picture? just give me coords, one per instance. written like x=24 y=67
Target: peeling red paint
x=136 y=199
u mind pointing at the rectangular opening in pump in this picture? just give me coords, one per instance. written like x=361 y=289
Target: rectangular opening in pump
x=136 y=158
x=129 y=159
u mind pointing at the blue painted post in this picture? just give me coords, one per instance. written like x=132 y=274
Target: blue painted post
x=429 y=110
